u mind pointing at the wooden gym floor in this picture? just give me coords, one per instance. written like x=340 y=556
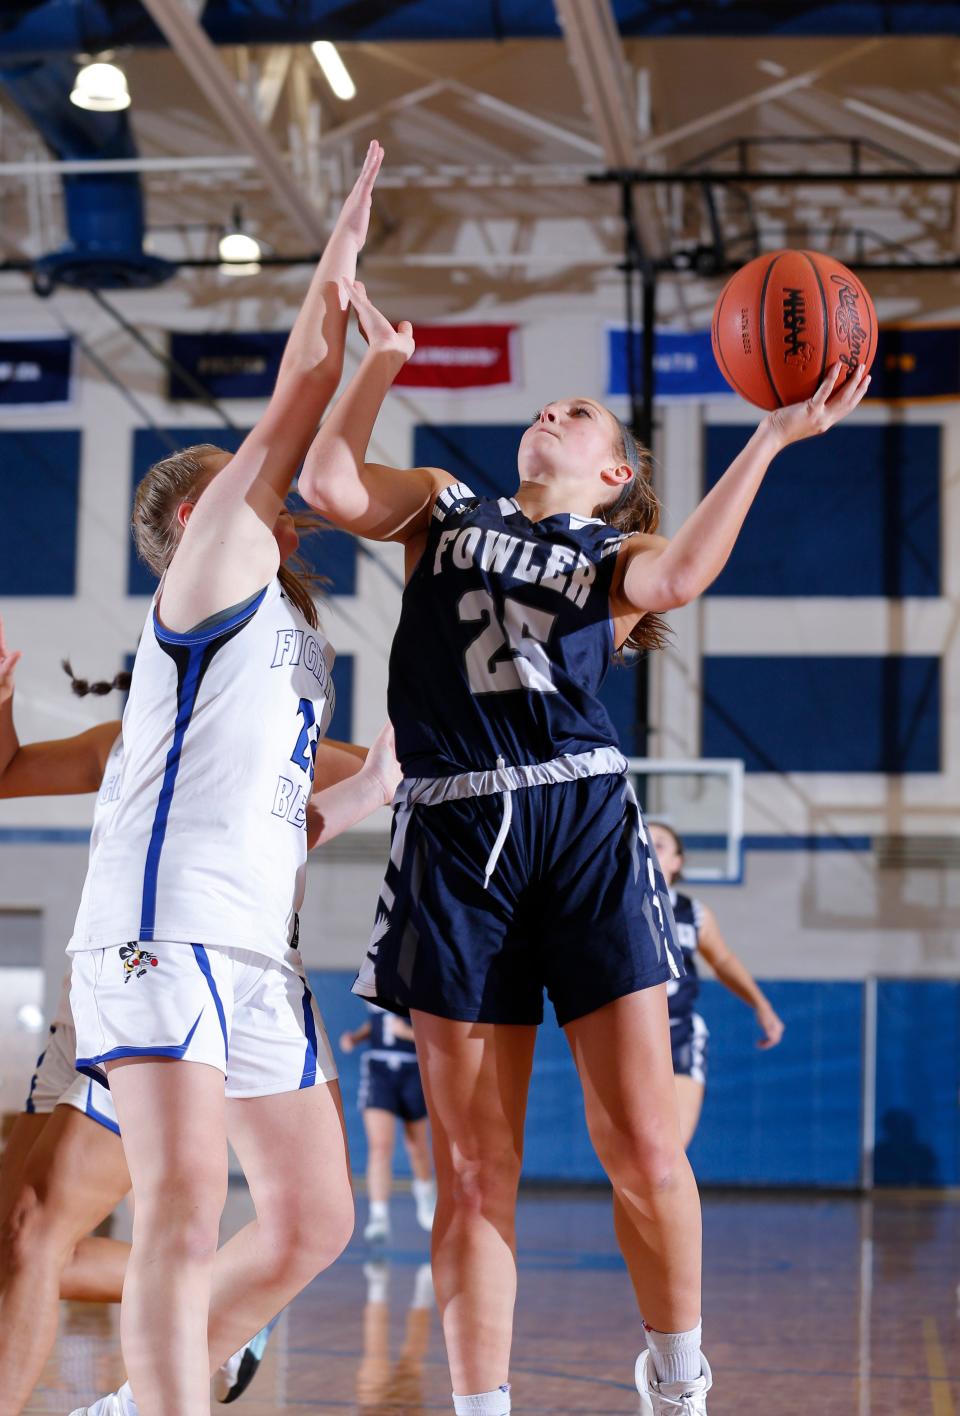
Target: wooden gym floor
x=835 y=1305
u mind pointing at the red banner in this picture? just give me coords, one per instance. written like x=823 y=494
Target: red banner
x=460 y=356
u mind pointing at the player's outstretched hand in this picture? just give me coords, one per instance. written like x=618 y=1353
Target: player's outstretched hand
x=375 y=327
x=8 y=664
x=771 y=1026
x=346 y=1042
x=382 y=765
x=817 y=414
x=354 y=218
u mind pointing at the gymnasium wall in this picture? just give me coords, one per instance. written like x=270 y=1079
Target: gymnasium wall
x=825 y=656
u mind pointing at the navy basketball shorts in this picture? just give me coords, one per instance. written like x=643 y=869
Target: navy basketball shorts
x=486 y=902
x=688 y=1043
x=387 y=1084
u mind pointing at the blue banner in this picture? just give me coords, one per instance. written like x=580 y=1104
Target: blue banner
x=683 y=364
x=917 y=363
x=35 y=370
x=226 y=365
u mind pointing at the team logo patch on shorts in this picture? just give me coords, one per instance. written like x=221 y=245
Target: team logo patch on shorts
x=136 y=961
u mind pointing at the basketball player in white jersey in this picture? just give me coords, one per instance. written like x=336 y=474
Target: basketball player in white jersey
x=62 y=1168
x=699 y=936
x=187 y=990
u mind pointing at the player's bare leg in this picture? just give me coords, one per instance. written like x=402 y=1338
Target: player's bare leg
x=69 y=1181
x=475 y=1077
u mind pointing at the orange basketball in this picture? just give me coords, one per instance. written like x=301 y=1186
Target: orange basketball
x=783 y=319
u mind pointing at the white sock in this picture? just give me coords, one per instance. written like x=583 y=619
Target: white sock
x=675 y=1355
x=380 y=1210
x=423 y=1190
x=485 y=1403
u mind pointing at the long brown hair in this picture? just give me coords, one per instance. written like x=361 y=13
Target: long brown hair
x=182 y=477
x=637 y=510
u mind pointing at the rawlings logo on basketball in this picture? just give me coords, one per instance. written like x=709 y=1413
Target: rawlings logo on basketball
x=847 y=321
x=136 y=961
x=796 y=349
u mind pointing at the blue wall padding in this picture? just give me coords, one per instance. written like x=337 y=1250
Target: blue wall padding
x=39 y=499
x=790 y=1115
x=918 y=1075
x=854 y=513
x=341 y=725
x=332 y=554
x=823 y=713
x=484 y=455
x=786 y=1117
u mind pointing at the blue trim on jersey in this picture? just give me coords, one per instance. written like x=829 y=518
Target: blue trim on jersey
x=187 y=698
x=175 y=1050
x=192 y=638
x=98 y=1116
x=203 y=962
x=309 y=1073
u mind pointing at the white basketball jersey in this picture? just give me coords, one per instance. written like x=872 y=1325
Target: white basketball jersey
x=207 y=843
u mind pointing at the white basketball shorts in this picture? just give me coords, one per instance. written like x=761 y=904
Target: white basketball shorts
x=253 y=1019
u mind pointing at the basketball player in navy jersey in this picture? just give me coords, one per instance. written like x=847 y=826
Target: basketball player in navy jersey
x=391 y=1091
x=519 y=858
x=698 y=935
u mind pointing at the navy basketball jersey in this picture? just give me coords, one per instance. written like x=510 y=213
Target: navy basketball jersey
x=682 y=993
x=504 y=639
x=383 y=1035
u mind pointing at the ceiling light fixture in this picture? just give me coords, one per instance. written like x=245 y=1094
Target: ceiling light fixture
x=100 y=87
x=239 y=252
x=334 y=69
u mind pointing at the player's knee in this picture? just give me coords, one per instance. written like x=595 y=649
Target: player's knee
x=30 y=1229
x=644 y=1159
x=303 y=1240
x=183 y=1215
x=482 y=1178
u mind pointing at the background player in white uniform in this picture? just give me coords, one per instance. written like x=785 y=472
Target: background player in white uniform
x=391 y=1091
x=518 y=859
x=698 y=933
x=62 y=1168
x=187 y=988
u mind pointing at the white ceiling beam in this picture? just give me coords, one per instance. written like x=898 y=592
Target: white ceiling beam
x=271 y=80
x=199 y=57
x=903 y=126
x=598 y=60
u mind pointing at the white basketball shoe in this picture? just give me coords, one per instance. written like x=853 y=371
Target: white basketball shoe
x=672 y=1398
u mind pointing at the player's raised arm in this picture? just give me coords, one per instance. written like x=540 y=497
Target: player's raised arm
x=659 y=575
x=64 y=765
x=381 y=503
x=228 y=550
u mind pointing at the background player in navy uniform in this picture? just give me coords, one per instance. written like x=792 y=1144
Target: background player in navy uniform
x=698 y=934
x=62 y=1167
x=519 y=858
x=391 y=1090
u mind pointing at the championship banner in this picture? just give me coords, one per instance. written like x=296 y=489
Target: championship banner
x=226 y=365
x=917 y=363
x=34 y=371
x=683 y=364
x=460 y=356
